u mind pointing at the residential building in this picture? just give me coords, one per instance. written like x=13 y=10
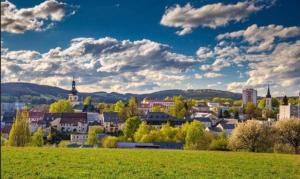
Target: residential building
x=79 y=138
x=200 y=107
x=206 y=118
x=36 y=115
x=226 y=125
x=93 y=117
x=71 y=122
x=34 y=125
x=164 y=103
x=9 y=117
x=156 y=119
x=110 y=121
x=249 y=95
x=144 y=108
x=288 y=112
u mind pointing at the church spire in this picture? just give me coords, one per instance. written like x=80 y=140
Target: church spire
x=74 y=91
x=268 y=94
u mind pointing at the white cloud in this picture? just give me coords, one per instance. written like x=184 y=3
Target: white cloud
x=103 y=64
x=212 y=75
x=212 y=15
x=198 y=76
x=216 y=66
x=37 y=18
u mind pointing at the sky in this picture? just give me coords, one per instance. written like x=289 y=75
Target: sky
x=145 y=46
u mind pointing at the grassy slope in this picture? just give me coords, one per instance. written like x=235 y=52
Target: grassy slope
x=112 y=163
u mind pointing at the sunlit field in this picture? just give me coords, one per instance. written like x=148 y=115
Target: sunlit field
x=141 y=163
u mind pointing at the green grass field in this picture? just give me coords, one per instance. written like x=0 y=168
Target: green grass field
x=139 y=163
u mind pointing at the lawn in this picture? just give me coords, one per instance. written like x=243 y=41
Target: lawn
x=140 y=163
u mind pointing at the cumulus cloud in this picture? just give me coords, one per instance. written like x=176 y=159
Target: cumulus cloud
x=105 y=63
x=212 y=75
x=37 y=18
x=216 y=66
x=212 y=15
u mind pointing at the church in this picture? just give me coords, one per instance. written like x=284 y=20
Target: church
x=73 y=96
x=268 y=110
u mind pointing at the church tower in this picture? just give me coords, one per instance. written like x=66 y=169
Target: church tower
x=268 y=100
x=73 y=96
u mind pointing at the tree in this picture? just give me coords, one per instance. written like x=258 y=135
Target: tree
x=181 y=134
x=250 y=110
x=132 y=106
x=131 y=126
x=262 y=103
x=158 y=109
x=182 y=107
x=195 y=137
x=289 y=133
x=219 y=142
x=19 y=134
x=37 y=138
x=103 y=107
x=238 y=103
x=110 y=142
x=120 y=108
x=236 y=115
x=168 y=133
x=87 y=100
x=61 y=106
x=142 y=131
x=92 y=135
x=226 y=114
x=251 y=136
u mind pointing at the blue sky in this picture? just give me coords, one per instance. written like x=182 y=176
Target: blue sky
x=175 y=31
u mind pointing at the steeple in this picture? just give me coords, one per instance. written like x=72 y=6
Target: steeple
x=268 y=94
x=74 y=91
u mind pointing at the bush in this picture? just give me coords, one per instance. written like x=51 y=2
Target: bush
x=196 y=137
x=3 y=141
x=110 y=142
x=251 y=136
x=219 y=143
x=283 y=148
x=37 y=138
x=64 y=143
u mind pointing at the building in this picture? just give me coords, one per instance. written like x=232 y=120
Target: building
x=71 y=123
x=249 y=95
x=288 y=111
x=144 y=108
x=34 y=125
x=268 y=100
x=157 y=119
x=110 y=121
x=36 y=115
x=227 y=126
x=163 y=103
x=79 y=138
x=93 y=117
x=9 y=117
x=206 y=118
x=73 y=96
x=200 y=107
x=11 y=107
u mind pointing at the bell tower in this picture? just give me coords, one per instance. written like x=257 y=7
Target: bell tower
x=268 y=100
x=73 y=96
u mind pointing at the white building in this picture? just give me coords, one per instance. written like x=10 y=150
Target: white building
x=71 y=123
x=288 y=112
x=164 y=103
x=79 y=138
x=73 y=96
x=249 y=95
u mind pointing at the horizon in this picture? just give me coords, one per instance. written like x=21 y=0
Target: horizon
x=144 y=47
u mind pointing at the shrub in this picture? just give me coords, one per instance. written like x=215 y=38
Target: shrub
x=110 y=142
x=283 y=148
x=64 y=143
x=37 y=138
x=3 y=141
x=219 y=143
x=196 y=137
x=251 y=136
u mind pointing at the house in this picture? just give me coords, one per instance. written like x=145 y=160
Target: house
x=9 y=117
x=49 y=117
x=288 y=112
x=10 y=107
x=5 y=131
x=36 y=115
x=71 y=122
x=200 y=107
x=164 y=103
x=205 y=118
x=34 y=125
x=110 y=121
x=228 y=125
x=79 y=138
x=144 y=108
x=156 y=119
x=93 y=117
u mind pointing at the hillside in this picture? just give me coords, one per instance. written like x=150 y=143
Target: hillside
x=43 y=93
x=138 y=163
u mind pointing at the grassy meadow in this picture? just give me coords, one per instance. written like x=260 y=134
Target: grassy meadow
x=140 y=163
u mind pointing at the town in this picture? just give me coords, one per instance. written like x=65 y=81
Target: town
x=150 y=123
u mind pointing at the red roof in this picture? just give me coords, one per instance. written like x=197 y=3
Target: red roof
x=73 y=118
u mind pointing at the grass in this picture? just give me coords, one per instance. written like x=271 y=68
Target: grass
x=139 y=163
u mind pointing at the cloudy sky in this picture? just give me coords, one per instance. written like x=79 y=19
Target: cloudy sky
x=144 y=46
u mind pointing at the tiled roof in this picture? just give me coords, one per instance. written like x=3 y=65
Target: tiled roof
x=110 y=117
x=228 y=123
x=73 y=118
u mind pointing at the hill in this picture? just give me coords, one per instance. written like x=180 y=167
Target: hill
x=138 y=163
x=43 y=93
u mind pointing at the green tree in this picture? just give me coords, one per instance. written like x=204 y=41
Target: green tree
x=19 y=134
x=131 y=126
x=87 y=100
x=103 y=107
x=219 y=142
x=142 y=131
x=168 y=133
x=226 y=114
x=182 y=107
x=250 y=110
x=195 y=136
x=238 y=103
x=132 y=106
x=181 y=134
x=289 y=133
x=110 y=142
x=37 y=138
x=120 y=108
x=92 y=135
x=251 y=136
x=158 y=109
x=61 y=106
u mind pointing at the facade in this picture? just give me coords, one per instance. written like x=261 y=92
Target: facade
x=200 y=107
x=93 y=117
x=73 y=96
x=249 y=95
x=34 y=125
x=110 y=121
x=79 y=138
x=227 y=126
x=206 y=118
x=156 y=119
x=71 y=123
x=164 y=103
x=36 y=115
x=288 y=112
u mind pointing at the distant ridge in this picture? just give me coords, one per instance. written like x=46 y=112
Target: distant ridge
x=21 y=91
